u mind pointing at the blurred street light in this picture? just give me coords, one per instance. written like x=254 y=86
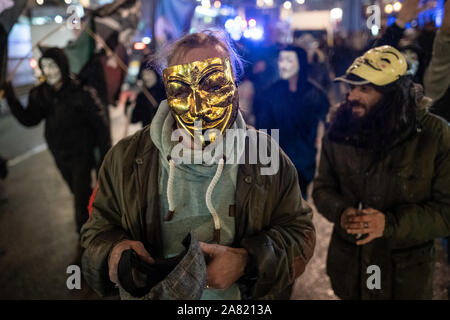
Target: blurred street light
x=139 y=46
x=388 y=8
x=217 y=4
x=251 y=22
x=336 y=13
x=300 y=1
x=68 y=1
x=397 y=6
x=268 y=2
x=33 y=63
x=58 y=19
x=40 y=2
x=287 y=5
x=206 y=3
x=375 y=30
x=229 y=24
x=85 y=3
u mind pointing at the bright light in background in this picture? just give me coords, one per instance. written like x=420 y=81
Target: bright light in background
x=217 y=4
x=388 y=8
x=210 y=12
x=38 y=21
x=68 y=1
x=336 y=13
x=235 y=36
x=256 y=33
x=229 y=24
x=375 y=30
x=139 y=46
x=85 y=3
x=58 y=19
x=287 y=5
x=33 y=63
x=239 y=27
x=300 y=1
x=397 y=6
x=268 y=2
x=206 y=4
x=40 y=2
x=146 y=40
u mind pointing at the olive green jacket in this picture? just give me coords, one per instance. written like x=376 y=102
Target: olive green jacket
x=411 y=186
x=272 y=221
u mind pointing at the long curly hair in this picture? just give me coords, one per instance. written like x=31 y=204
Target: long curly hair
x=395 y=113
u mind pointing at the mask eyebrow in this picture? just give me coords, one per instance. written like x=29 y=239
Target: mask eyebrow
x=209 y=74
x=179 y=81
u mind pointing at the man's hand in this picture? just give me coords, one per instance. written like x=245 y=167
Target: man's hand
x=226 y=265
x=371 y=222
x=409 y=11
x=116 y=253
x=346 y=215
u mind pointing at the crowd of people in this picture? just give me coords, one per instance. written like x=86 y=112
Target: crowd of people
x=380 y=133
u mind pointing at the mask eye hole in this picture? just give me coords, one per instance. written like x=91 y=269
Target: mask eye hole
x=213 y=82
x=178 y=90
x=181 y=94
x=385 y=60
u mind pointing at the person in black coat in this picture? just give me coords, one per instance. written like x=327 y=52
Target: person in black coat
x=145 y=108
x=295 y=106
x=76 y=129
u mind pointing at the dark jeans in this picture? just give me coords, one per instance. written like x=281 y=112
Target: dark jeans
x=77 y=174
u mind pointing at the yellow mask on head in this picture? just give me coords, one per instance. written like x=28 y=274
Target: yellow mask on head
x=380 y=66
x=202 y=91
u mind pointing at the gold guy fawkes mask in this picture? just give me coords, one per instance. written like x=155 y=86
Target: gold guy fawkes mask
x=202 y=92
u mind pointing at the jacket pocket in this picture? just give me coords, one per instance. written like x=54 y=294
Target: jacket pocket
x=411 y=185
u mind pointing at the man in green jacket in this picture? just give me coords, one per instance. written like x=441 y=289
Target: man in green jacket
x=384 y=181
x=251 y=223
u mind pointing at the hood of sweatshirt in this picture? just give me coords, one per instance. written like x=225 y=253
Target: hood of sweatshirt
x=162 y=127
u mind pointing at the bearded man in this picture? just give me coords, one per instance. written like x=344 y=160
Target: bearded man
x=254 y=230
x=383 y=180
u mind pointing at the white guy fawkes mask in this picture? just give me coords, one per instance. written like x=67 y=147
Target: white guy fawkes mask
x=51 y=71
x=149 y=78
x=288 y=65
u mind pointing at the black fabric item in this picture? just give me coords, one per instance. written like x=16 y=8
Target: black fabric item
x=138 y=277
